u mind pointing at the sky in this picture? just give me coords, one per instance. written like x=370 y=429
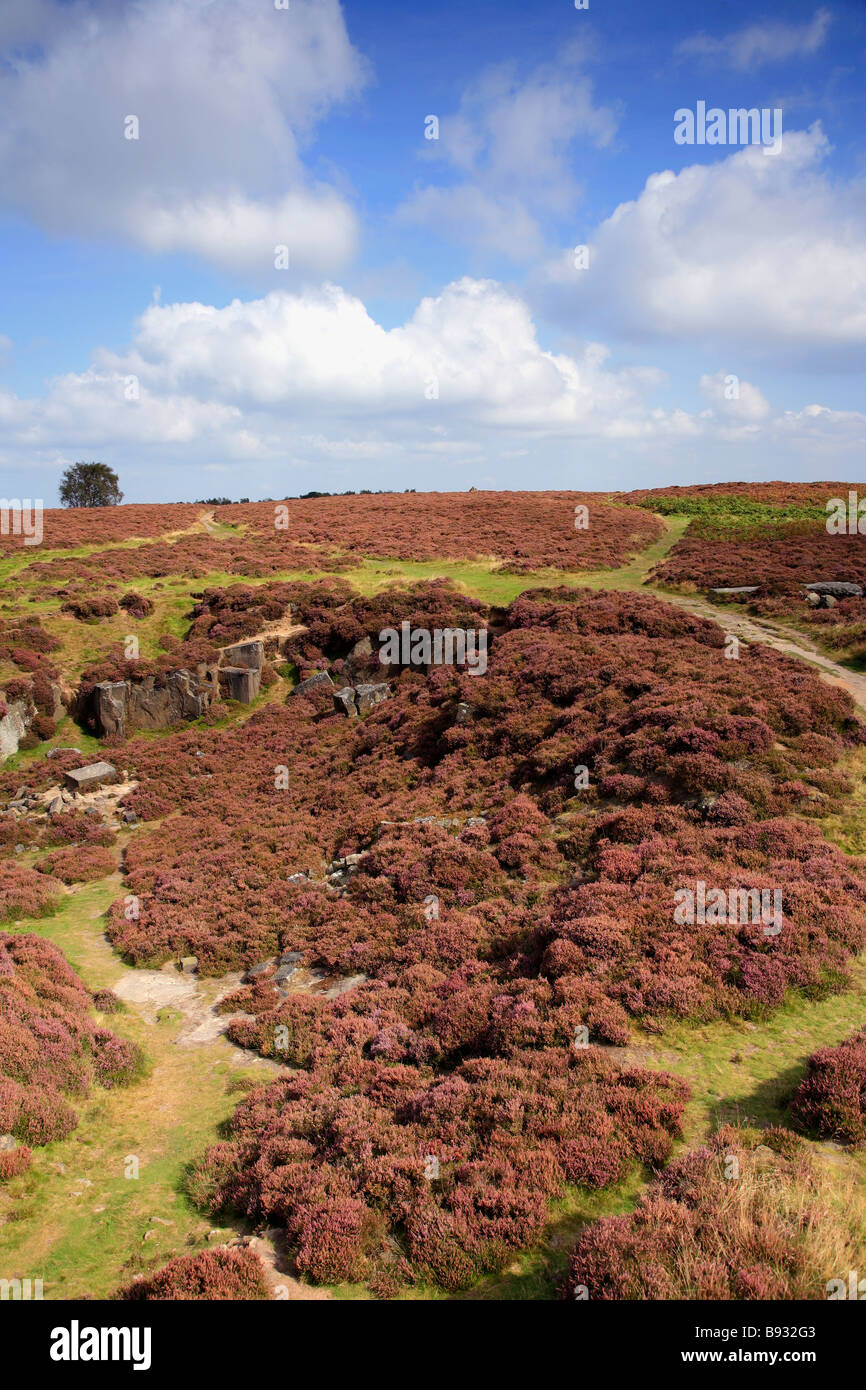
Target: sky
x=259 y=247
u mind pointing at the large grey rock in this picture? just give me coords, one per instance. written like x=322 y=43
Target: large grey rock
x=248 y=654
x=366 y=696
x=85 y=779
x=241 y=683
x=320 y=681
x=111 y=699
x=740 y=589
x=837 y=587
x=14 y=725
x=121 y=707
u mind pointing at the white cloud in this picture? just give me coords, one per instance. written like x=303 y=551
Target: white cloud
x=753 y=251
x=225 y=93
x=311 y=376
x=509 y=146
x=733 y=399
x=770 y=41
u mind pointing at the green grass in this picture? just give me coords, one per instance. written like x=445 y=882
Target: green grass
x=75 y=1220
x=715 y=513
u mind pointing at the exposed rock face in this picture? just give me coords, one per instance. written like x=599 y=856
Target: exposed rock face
x=14 y=725
x=837 y=587
x=320 y=681
x=360 y=699
x=240 y=683
x=121 y=707
x=86 y=779
x=344 y=701
x=361 y=661
x=366 y=696
x=250 y=655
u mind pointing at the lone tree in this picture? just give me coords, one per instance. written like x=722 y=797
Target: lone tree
x=90 y=485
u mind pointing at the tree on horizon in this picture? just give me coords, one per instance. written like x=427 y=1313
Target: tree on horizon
x=90 y=485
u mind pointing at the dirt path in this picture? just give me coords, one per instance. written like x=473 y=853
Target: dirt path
x=770 y=634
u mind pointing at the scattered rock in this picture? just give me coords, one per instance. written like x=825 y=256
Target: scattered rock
x=88 y=778
x=366 y=696
x=321 y=680
x=344 y=701
x=188 y=964
x=8 y=1143
x=837 y=588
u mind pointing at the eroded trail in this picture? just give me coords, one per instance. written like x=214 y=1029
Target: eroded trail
x=770 y=634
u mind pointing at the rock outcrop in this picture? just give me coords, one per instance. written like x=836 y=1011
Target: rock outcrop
x=360 y=699
x=838 y=588
x=14 y=725
x=249 y=655
x=124 y=707
x=241 y=683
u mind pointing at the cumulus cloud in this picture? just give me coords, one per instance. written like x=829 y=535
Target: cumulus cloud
x=312 y=376
x=770 y=41
x=225 y=93
x=733 y=399
x=507 y=149
x=758 y=252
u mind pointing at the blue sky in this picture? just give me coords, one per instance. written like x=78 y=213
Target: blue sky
x=432 y=329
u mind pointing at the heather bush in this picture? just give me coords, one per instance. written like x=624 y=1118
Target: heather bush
x=136 y=605
x=91 y=606
x=730 y=1220
x=14 y=1162
x=831 y=1098
x=24 y=893
x=79 y=865
x=215 y=1275
x=50 y=1046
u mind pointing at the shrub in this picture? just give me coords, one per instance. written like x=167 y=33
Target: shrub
x=831 y=1098
x=215 y=1275
x=79 y=865
x=729 y=1220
